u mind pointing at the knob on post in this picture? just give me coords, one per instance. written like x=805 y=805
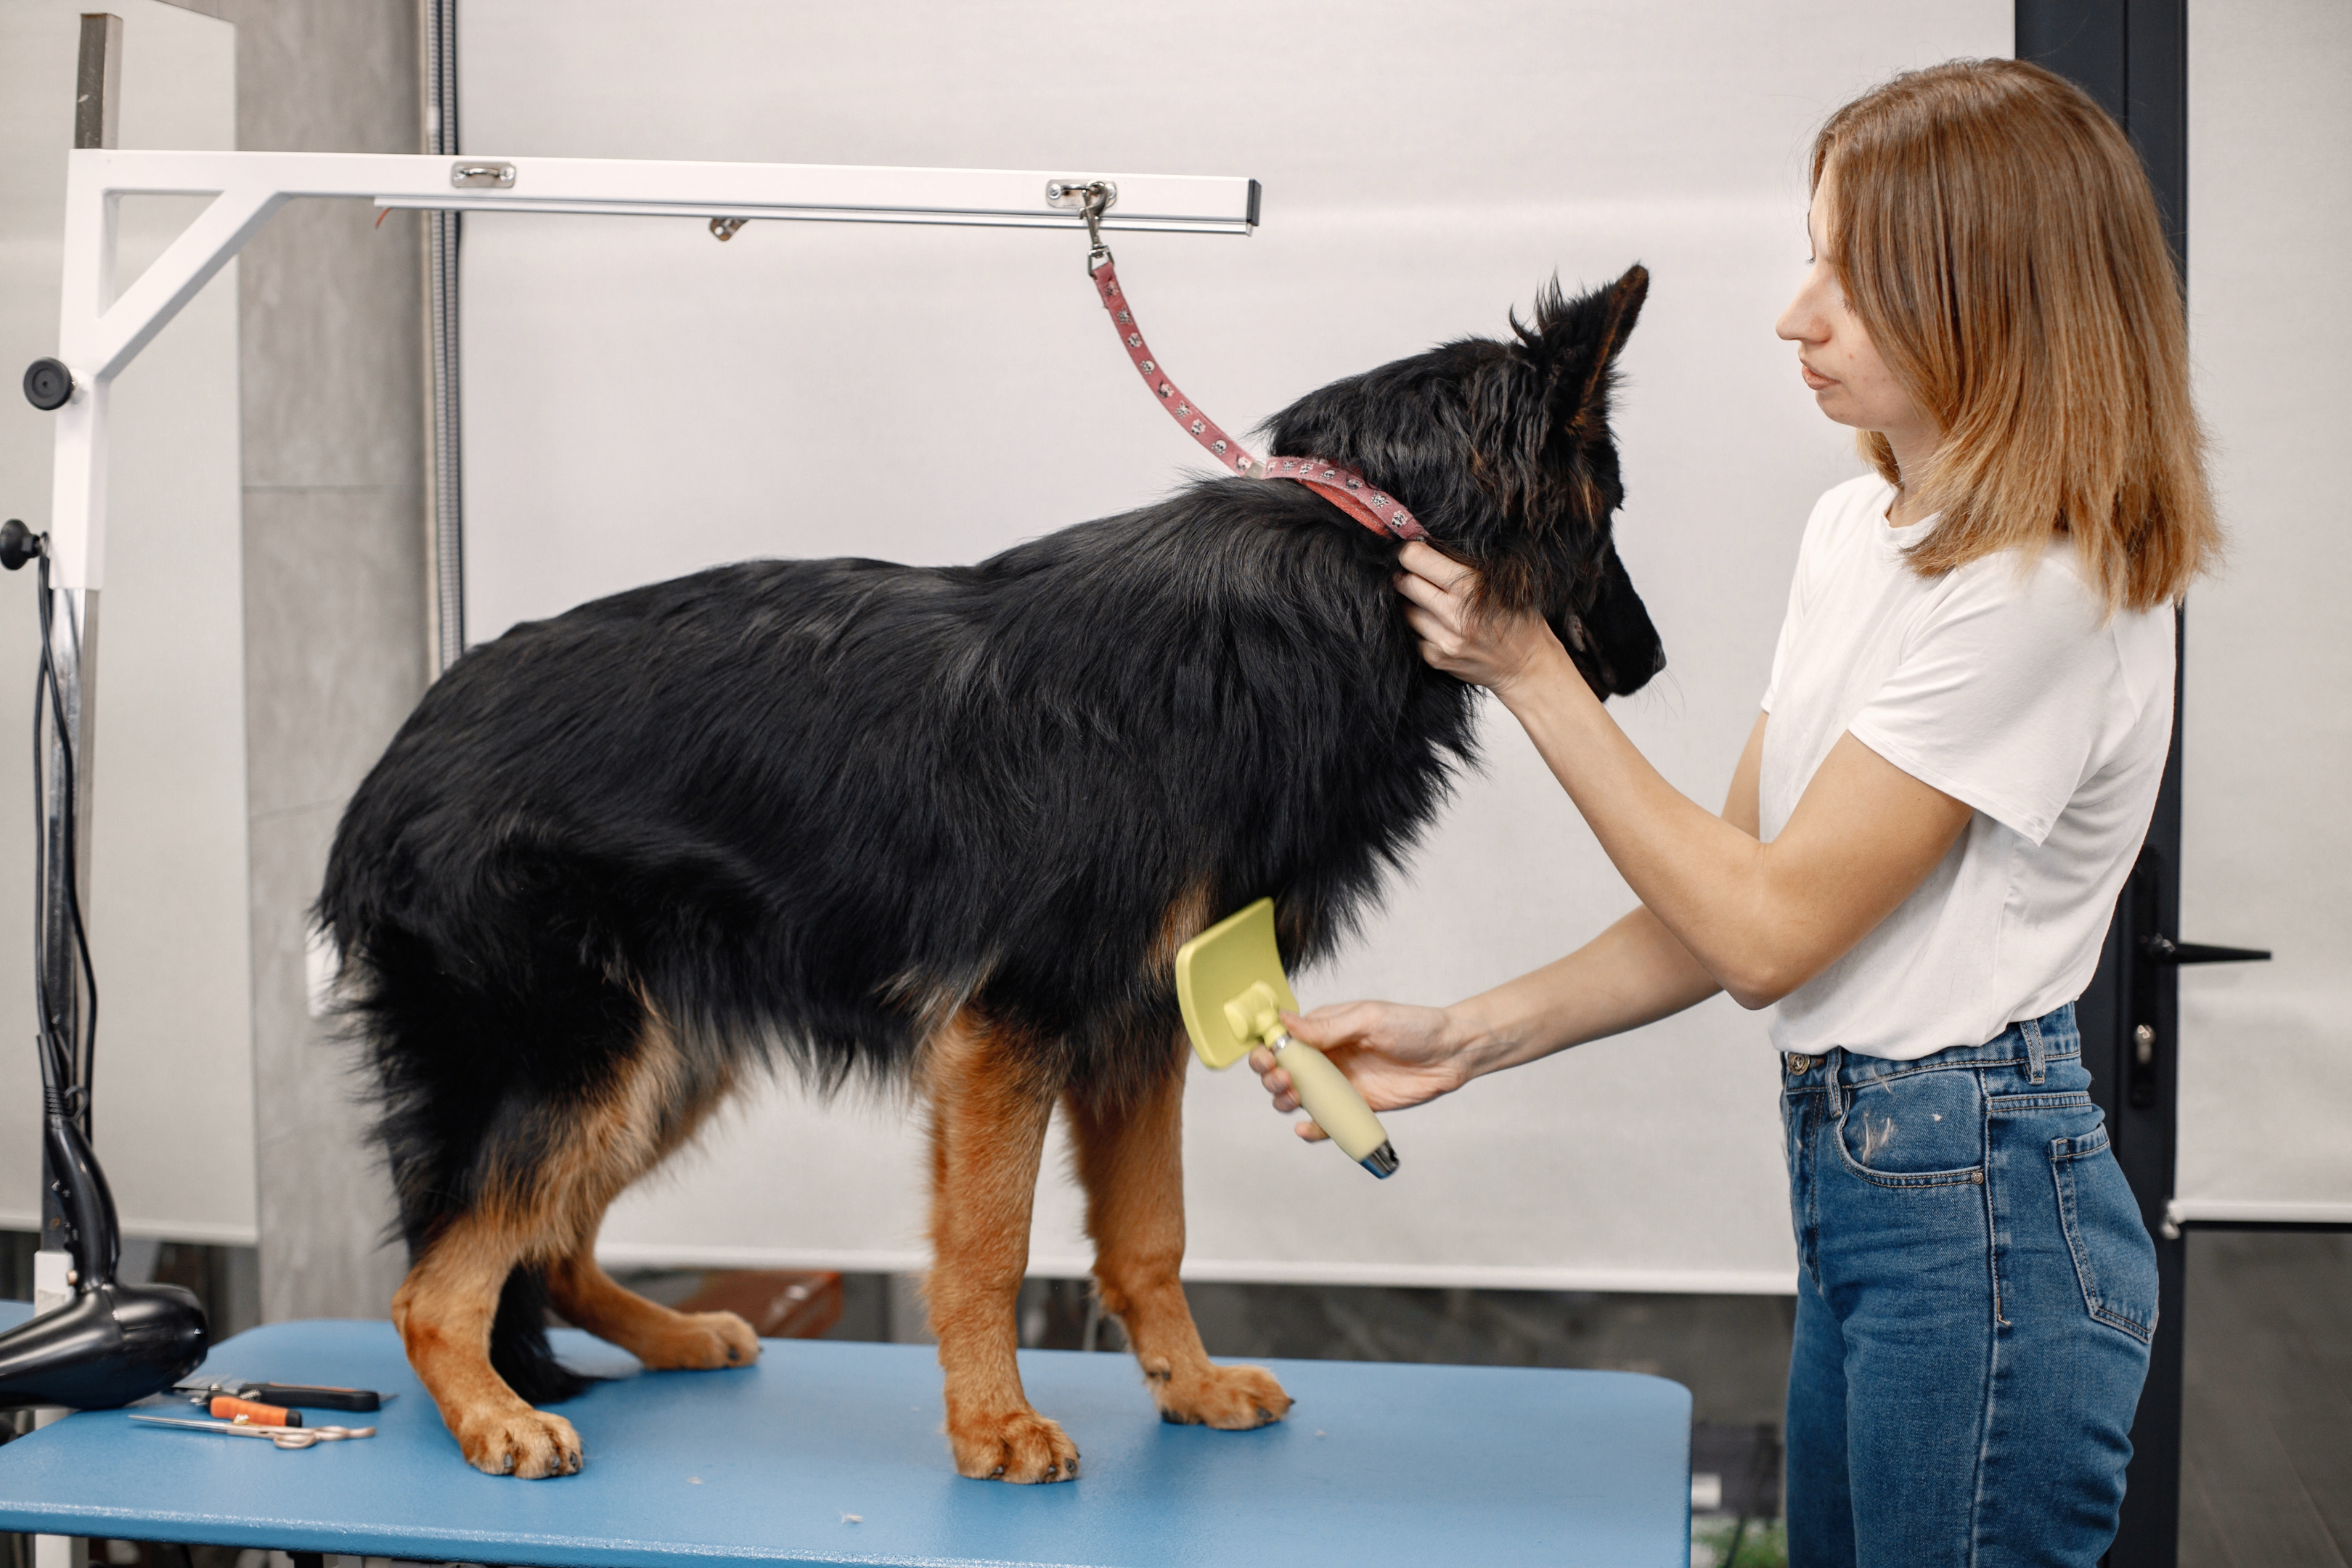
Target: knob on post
x=47 y=384
x=18 y=544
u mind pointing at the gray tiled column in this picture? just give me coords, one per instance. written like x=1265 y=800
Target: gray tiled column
x=335 y=650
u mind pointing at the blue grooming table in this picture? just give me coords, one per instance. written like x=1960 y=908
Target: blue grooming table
x=829 y=1452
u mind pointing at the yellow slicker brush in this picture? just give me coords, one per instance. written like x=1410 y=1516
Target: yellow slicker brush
x=1229 y=981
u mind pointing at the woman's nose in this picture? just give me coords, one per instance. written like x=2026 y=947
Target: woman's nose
x=1803 y=322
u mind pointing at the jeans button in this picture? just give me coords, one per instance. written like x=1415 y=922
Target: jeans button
x=1797 y=1064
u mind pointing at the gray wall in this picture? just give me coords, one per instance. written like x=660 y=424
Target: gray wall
x=335 y=649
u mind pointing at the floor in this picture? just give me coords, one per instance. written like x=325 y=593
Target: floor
x=2266 y=1465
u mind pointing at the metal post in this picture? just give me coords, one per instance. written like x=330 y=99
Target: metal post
x=447 y=538
x=97 y=80
x=66 y=751
x=73 y=611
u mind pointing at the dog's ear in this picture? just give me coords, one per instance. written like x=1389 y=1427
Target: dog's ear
x=1580 y=340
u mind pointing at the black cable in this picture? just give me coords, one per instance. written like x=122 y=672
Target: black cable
x=78 y=1058
x=71 y=818
x=57 y=1070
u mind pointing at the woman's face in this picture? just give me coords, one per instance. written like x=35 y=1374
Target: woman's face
x=1841 y=365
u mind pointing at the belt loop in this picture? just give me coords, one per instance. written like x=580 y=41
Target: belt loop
x=2037 y=1056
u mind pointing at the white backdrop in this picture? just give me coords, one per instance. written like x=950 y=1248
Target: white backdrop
x=2266 y=1094
x=641 y=401
x=167 y=898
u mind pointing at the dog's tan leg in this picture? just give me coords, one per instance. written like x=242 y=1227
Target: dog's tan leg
x=644 y=1116
x=1130 y=1157
x=988 y=1133
x=444 y=1310
x=657 y=1335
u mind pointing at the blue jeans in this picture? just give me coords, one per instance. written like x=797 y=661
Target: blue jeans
x=1975 y=1296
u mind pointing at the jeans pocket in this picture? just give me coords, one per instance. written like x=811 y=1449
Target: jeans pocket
x=1915 y=1130
x=2113 y=1259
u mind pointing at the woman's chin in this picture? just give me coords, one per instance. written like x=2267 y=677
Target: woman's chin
x=1839 y=410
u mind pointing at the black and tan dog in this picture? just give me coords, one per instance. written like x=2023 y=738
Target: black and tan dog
x=947 y=825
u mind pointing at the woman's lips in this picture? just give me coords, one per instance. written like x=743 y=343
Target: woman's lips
x=1813 y=379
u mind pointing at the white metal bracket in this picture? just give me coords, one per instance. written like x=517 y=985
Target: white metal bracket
x=99 y=334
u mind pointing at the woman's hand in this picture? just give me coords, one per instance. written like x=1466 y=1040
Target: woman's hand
x=1395 y=1055
x=1495 y=650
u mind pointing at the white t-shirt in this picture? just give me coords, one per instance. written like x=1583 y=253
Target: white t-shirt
x=2011 y=691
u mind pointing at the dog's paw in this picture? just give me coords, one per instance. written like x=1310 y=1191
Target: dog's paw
x=1231 y=1398
x=699 y=1342
x=1012 y=1446
x=525 y=1443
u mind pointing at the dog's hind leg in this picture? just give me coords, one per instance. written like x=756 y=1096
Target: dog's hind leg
x=654 y=1107
x=988 y=1133
x=444 y=1310
x=658 y=1336
x=542 y=1191
x=1130 y=1152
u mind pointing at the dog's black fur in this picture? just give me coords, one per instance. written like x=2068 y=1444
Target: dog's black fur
x=796 y=808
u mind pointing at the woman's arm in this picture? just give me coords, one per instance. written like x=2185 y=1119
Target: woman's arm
x=1761 y=919
x=1635 y=972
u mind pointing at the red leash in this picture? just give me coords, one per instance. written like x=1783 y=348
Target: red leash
x=1343 y=488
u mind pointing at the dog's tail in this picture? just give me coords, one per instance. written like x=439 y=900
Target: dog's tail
x=518 y=1349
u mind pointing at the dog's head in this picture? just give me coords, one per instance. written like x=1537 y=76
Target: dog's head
x=1502 y=449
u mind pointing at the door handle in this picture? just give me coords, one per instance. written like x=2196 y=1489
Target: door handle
x=2156 y=948
x=2162 y=949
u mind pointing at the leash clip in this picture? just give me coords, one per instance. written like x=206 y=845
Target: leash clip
x=1090 y=199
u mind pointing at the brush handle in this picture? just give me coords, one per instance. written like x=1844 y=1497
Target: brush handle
x=1325 y=1094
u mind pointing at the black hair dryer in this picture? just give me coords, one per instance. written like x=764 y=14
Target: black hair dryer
x=112 y=1342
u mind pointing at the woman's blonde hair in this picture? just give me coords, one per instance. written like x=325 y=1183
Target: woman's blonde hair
x=1996 y=235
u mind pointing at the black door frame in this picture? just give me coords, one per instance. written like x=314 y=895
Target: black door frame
x=2133 y=56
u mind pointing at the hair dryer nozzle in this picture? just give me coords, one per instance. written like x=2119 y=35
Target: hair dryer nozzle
x=111 y=1343
x=108 y=1346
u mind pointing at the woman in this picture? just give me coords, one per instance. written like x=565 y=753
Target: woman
x=1955 y=766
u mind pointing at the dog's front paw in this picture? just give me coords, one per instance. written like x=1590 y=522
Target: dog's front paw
x=699 y=1342
x=529 y=1444
x=1231 y=1398
x=1012 y=1445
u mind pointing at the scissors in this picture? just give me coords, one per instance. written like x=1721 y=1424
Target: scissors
x=279 y=1437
